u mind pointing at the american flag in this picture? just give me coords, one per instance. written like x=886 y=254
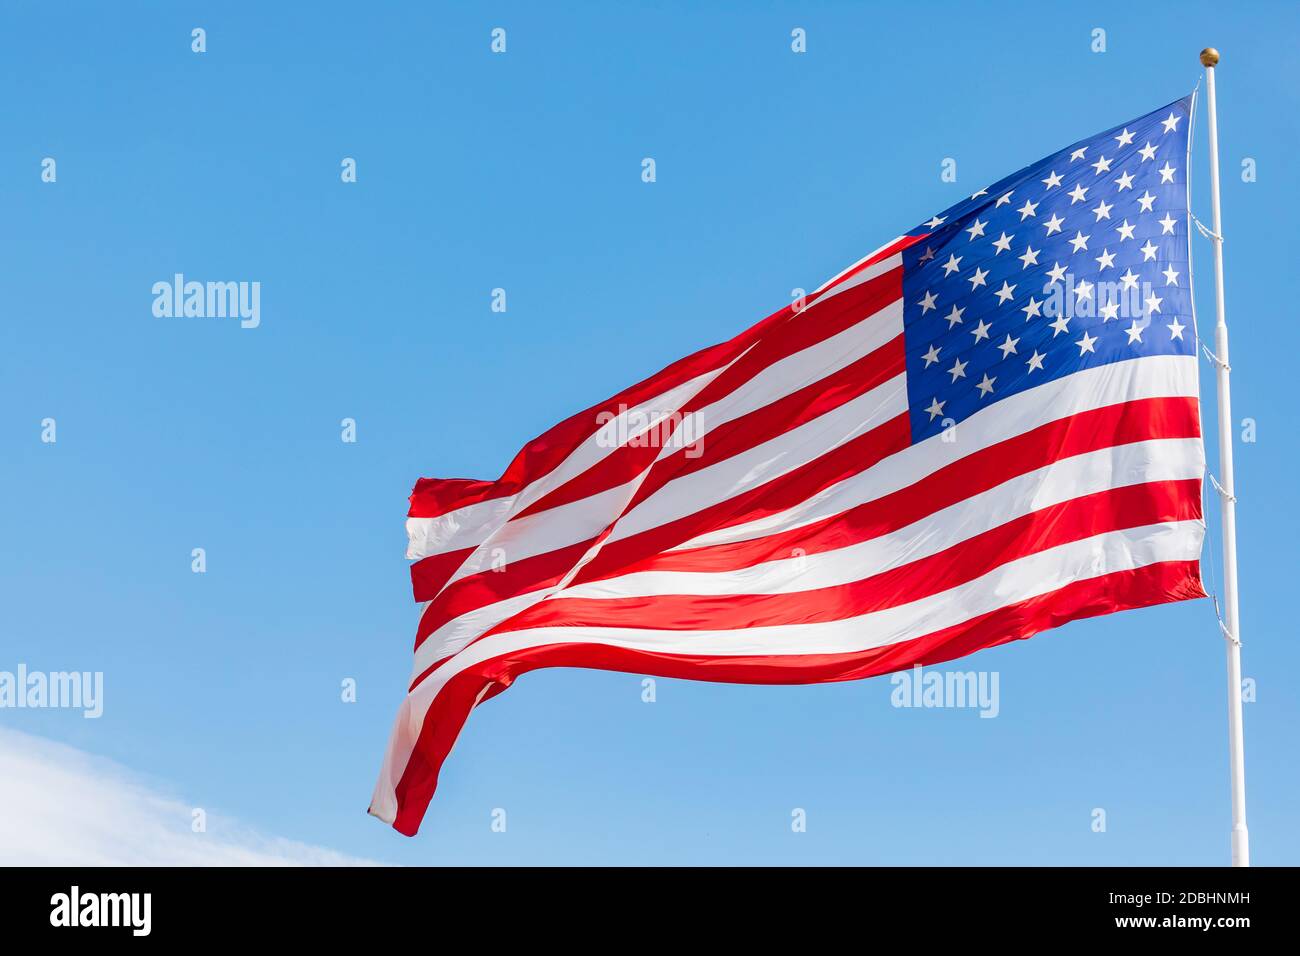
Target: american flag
x=984 y=429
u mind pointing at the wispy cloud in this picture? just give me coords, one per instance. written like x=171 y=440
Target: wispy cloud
x=62 y=806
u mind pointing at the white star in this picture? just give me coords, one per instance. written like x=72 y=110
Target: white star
x=1171 y=122
x=1078 y=194
x=982 y=192
x=931 y=356
x=1030 y=258
x=1080 y=241
x=1128 y=280
x=976 y=229
x=981 y=331
x=1109 y=312
x=1124 y=138
x=936 y=408
x=1167 y=225
x=1062 y=324
x=1102 y=211
x=927 y=302
x=977 y=279
x=1176 y=329
x=958 y=369
x=954 y=317
x=1171 y=277
x=1057 y=272
x=951 y=265
x=1148 y=152
x=927 y=255
x=1102 y=165
x=1125 y=230
x=1134 y=333
x=986 y=386
x=1078 y=153
x=1166 y=173
x=1153 y=303
x=1032 y=310
x=1027 y=210
x=1002 y=244
x=936 y=221
x=1009 y=346
x=1086 y=344
x=1125 y=181
x=1053 y=179
x=1106 y=260
x=1054 y=224
x=1148 y=251
x=1035 y=361
x=1145 y=201
x=1003 y=200
x=1005 y=293
x=1084 y=289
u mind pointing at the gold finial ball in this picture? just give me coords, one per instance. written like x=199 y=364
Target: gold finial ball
x=1209 y=56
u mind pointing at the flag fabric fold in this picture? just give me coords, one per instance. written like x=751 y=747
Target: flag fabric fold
x=982 y=430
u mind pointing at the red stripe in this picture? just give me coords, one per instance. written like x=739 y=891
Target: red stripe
x=1153 y=584
x=487 y=587
x=429 y=575
x=1115 y=509
x=435 y=496
x=898 y=245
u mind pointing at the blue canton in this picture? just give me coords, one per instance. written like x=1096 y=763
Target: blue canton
x=1077 y=261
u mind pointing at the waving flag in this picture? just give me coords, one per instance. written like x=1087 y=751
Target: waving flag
x=985 y=429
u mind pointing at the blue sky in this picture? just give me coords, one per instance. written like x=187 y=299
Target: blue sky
x=522 y=171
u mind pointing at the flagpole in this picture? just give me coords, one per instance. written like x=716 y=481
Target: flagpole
x=1236 y=756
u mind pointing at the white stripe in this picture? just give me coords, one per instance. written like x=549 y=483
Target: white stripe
x=463 y=528
x=838 y=284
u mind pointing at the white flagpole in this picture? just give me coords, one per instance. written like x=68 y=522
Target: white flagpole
x=1236 y=757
